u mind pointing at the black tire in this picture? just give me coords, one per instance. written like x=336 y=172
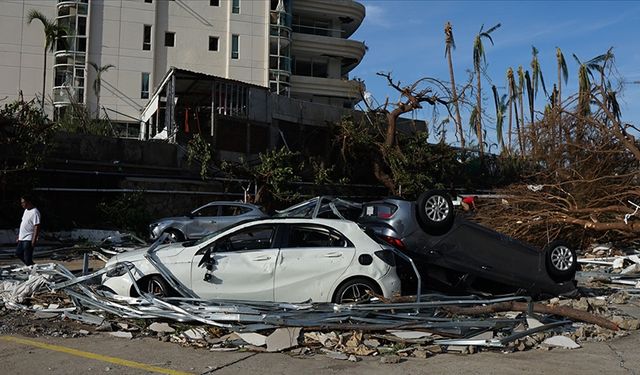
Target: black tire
x=156 y=286
x=173 y=235
x=355 y=291
x=435 y=211
x=561 y=261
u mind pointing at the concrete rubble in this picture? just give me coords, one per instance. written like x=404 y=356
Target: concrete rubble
x=390 y=330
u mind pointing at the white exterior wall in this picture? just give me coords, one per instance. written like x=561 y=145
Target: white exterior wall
x=115 y=37
x=21 y=50
x=252 y=24
x=115 y=33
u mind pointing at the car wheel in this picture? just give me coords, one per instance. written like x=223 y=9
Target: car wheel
x=561 y=261
x=435 y=211
x=174 y=236
x=356 y=291
x=157 y=287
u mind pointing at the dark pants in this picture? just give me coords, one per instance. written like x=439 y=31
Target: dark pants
x=24 y=251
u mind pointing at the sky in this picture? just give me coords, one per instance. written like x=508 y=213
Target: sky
x=406 y=38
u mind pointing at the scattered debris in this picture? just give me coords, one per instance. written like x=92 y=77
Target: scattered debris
x=561 y=342
x=462 y=325
x=253 y=338
x=283 y=338
x=161 y=328
x=335 y=355
x=122 y=334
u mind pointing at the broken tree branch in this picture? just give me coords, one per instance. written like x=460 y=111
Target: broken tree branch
x=564 y=311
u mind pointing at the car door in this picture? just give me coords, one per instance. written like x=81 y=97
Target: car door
x=240 y=265
x=312 y=257
x=204 y=220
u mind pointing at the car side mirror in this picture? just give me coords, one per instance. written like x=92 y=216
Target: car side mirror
x=207 y=258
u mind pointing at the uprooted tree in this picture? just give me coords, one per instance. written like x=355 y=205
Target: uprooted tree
x=393 y=156
x=583 y=164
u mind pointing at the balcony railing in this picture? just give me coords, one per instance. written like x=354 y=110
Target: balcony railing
x=316 y=30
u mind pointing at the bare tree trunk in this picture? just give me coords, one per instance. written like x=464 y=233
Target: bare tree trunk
x=510 y=117
x=454 y=93
x=44 y=78
x=521 y=125
x=478 y=119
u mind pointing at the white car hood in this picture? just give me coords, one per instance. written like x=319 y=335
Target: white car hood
x=138 y=255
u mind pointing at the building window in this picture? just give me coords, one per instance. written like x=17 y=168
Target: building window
x=169 y=39
x=235 y=6
x=144 y=90
x=214 y=3
x=146 y=38
x=235 y=41
x=213 y=43
x=148 y=1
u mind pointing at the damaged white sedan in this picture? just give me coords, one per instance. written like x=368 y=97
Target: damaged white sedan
x=284 y=260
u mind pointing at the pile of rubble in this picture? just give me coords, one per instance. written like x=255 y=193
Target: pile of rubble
x=606 y=264
x=435 y=324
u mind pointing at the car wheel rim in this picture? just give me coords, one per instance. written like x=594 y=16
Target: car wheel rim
x=155 y=288
x=172 y=237
x=561 y=258
x=355 y=293
x=436 y=208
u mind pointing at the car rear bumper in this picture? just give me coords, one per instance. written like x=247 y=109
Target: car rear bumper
x=390 y=284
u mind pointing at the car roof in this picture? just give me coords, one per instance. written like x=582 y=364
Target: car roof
x=239 y=203
x=304 y=220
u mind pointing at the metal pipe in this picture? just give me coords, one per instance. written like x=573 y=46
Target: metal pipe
x=415 y=270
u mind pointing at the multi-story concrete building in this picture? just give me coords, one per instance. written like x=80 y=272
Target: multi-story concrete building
x=296 y=48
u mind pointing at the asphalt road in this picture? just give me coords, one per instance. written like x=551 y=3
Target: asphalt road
x=100 y=353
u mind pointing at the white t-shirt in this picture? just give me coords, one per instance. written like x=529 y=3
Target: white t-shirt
x=30 y=218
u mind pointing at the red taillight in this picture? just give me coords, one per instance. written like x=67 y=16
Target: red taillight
x=395 y=242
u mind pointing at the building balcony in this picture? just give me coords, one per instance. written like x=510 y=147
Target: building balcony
x=66 y=95
x=350 y=52
x=347 y=13
x=325 y=87
x=61 y=96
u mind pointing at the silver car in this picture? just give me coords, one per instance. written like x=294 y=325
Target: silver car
x=209 y=218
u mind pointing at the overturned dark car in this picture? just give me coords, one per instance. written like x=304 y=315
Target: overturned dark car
x=454 y=254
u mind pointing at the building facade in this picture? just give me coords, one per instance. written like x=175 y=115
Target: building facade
x=295 y=48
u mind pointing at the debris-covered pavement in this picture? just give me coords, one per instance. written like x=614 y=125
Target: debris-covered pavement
x=48 y=300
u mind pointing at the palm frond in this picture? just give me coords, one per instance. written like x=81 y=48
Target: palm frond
x=37 y=15
x=563 y=64
x=536 y=72
x=530 y=93
x=520 y=80
x=499 y=104
x=450 y=43
x=472 y=119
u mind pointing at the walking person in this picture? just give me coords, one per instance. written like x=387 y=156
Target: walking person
x=29 y=231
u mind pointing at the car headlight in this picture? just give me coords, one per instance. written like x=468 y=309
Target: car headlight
x=120 y=269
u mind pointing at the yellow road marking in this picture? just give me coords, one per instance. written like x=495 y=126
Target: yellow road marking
x=98 y=357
